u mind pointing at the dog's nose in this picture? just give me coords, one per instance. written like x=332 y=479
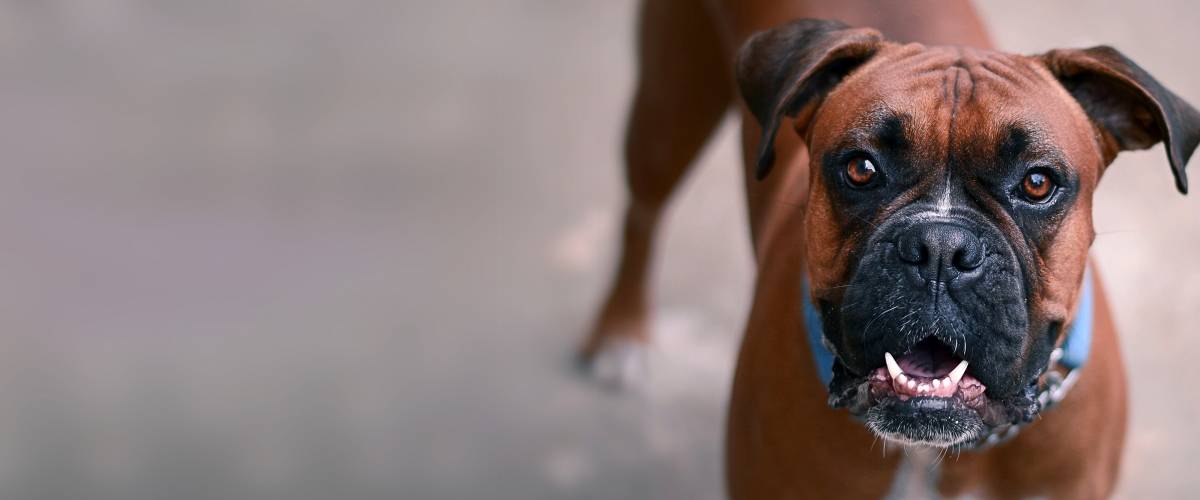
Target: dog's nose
x=940 y=251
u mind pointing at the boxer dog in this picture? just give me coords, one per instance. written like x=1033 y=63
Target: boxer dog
x=920 y=211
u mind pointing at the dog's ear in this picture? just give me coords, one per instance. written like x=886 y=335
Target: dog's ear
x=787 y=70
x=1129 y=107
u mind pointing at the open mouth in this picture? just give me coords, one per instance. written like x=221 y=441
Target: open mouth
x=929 y=369
x=926 y=397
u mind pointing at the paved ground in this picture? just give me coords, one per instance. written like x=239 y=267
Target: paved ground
x=281 y=249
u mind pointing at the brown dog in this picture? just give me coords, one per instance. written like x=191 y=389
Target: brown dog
x=927 y=216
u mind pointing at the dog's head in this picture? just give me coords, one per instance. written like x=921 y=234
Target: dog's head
x=949 y=208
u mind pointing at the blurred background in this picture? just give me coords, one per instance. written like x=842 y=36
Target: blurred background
x=299 y=249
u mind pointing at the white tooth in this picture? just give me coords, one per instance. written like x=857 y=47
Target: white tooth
x=923 y=388
x=946 y=382
x=893 y=368
x=901 y=379
x=912 y=384
x=957 y=374
x=937 y=383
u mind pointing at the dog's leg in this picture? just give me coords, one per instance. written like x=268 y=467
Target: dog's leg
x=685 y=85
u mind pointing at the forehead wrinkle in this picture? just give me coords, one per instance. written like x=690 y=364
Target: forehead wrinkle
x=905 y=70
x=1009 y=69
x=1012 y=78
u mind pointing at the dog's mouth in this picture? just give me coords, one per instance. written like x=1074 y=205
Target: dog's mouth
x=930 y=369
x=926 y=397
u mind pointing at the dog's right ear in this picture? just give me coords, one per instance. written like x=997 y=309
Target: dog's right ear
x=787 y=70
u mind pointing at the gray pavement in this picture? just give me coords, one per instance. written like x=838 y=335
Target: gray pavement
x=299 y=249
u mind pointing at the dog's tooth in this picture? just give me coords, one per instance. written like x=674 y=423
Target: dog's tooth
x=937 y=383
x=912 y=384
x=893 y=368
x=946 y=382
x=956 y=375
x=901 y=379
x=923 y=388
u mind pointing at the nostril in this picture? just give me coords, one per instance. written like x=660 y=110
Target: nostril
x=969 y=256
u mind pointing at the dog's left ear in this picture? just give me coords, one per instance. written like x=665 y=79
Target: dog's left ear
x=1129 y=107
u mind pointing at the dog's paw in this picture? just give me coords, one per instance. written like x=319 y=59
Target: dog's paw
x=619 y=363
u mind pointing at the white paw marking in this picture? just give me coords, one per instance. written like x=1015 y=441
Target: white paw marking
x=622 y=363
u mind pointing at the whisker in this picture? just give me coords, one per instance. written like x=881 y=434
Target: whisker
x=877 y=316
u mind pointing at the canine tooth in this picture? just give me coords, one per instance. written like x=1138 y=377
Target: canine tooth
x=892 y=366
x=957 y=374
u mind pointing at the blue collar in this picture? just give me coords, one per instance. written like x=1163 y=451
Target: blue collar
x=1075 y=348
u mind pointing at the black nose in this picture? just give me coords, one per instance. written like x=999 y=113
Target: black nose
x=940 y=251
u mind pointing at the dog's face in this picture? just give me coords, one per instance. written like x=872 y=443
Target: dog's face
x=949 y=221
x=949 y=213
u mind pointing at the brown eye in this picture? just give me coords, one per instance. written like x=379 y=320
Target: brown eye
x=860 y=172
x=1037 y=186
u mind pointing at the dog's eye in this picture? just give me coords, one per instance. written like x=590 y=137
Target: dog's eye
x=1037 y=186
x=860 y=172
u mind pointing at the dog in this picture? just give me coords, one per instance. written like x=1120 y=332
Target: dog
x=920 y=211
